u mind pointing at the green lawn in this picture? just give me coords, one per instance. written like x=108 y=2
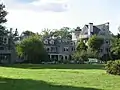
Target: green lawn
x=57 y=77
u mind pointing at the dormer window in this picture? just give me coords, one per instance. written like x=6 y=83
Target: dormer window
x=107 y=41
x=46 y=42
x=5 y=40
x=51 y=41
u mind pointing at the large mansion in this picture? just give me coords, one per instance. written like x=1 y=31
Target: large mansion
x=56 y=47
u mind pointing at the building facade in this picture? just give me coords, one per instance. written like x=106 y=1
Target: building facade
x=59 y=49
x=89 y=30
x=7 y=48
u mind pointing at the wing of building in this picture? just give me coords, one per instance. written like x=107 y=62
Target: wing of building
x=101 y=30
x=59 y=48
x=7 y=48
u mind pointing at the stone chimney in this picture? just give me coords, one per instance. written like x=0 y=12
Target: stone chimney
x=90 y=28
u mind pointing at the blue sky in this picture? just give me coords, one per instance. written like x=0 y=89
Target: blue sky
x=35 y=15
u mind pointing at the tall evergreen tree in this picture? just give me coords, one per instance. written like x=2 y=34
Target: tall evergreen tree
x=3 y=20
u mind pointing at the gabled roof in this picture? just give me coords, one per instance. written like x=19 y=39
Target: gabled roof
x=96 y=29
x=84 y=30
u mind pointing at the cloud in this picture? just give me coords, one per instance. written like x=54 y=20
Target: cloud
x=38 y=5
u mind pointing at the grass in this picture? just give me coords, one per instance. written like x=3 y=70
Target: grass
x=57 y=77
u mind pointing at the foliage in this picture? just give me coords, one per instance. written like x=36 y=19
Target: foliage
x=3 y=14
x=113 y=67
x=92 y=54
x=33 y=49
x=95 y=42
x=80 y=56
x=115 y=48
x=28 y=33
x=63 y=33
x=81 y=46
x=46 y=33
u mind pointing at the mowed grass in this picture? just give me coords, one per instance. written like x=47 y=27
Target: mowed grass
x=57 y=77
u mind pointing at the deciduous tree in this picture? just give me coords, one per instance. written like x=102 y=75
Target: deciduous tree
x=95 y=42
x=32 y=48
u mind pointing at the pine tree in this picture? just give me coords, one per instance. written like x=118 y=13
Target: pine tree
x=3 y=20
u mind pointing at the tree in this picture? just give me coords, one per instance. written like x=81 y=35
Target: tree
x=81 y=46
x=80 y=56
x=46 y=33
x=28 y=33
x=3 y=14
x=95 y=43
x=115 y=48
x=32 y=48
x=63 y=33
x=92 y=54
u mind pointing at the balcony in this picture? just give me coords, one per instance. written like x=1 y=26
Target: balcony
x=5 y=51
x=84 y=36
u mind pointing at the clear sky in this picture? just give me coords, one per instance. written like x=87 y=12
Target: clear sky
x=35 y=15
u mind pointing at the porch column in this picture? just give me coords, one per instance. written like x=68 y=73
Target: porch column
x=50 y=57
x=58 y=57
x=63 y=57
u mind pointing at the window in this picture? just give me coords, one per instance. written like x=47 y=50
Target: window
x=46 y=42
x=5 y=40
x=72 y=43
x=107 y=41
x=65 y=48
x=86 y=33
x=101 y=50
x=59 y=41
x=53 y=49
x=73 y=49
x=48 y=49
x=1 y=48
x=52 y=42
x=65 y=57
x=107 y=49
x=1 y=40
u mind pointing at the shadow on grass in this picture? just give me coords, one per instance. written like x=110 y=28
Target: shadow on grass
x=57 y=66
x=28 y=84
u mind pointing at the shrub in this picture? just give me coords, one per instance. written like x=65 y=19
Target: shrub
x=113 y=67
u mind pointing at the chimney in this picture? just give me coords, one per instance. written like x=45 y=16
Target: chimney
x=90 y=28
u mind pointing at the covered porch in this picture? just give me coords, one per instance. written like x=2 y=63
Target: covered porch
x=5 y=58
x=58 y=57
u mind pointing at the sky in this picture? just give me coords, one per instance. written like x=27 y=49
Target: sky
x=35 y=15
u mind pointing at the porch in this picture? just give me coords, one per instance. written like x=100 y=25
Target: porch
x=59 y=57
x=5 y=58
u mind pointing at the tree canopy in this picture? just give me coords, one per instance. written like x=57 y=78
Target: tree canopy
x=3 y=14
x=63 y=33
x=115 y=48
x=32 y=48
x=95 y=42
x=81 y=46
